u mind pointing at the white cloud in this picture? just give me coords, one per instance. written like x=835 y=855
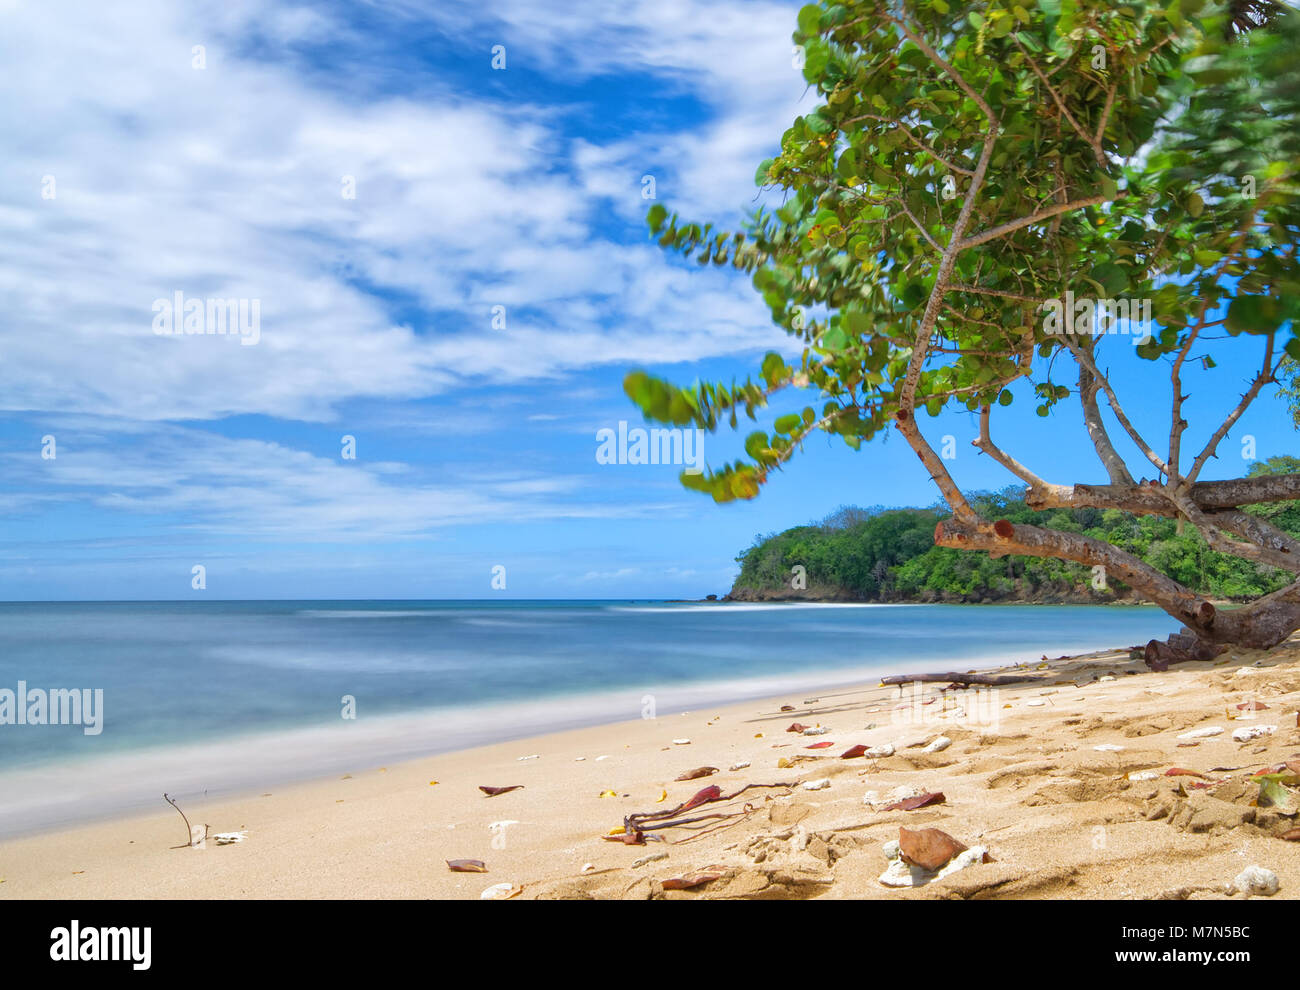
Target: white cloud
x=225 y=181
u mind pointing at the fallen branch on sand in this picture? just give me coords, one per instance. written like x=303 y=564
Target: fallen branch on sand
x=956 y=678
x=636 y=825
x=189 y=829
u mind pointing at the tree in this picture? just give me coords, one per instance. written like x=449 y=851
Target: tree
x=981 y=197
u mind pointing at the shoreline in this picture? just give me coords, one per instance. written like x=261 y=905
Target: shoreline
x=1059 y=816
x=130 y=780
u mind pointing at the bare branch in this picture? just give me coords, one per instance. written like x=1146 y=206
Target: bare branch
x=1081 y=355
x=1114 y=464
x=1004 y=537
x=1263 y=378
x=986 y=444
x=961 y=509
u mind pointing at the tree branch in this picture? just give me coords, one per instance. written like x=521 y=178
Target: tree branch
x=1051 y=211
x=1264 y=377
x=1004 y=537
x=1081 y=355
x=986 y=444
x=1114 y=464
x=961 y=509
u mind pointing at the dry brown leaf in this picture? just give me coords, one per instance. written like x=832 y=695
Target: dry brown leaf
x=919 y=801
x=928 y=848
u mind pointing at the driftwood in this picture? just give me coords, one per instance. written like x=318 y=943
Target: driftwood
x=189 y=829
x=1179 y=648
x=964 y=679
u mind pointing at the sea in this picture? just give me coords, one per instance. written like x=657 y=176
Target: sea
x=220 y=697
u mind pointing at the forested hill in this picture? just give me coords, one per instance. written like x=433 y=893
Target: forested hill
x=889 y=555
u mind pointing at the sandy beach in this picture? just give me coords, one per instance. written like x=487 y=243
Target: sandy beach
x=1064 y=782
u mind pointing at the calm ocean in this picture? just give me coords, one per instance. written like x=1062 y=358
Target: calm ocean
x=224 y=695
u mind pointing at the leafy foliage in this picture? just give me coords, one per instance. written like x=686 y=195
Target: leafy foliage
x=887 y=555
x=968 y=161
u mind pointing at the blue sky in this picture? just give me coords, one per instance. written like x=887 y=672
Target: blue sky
x=475 y=187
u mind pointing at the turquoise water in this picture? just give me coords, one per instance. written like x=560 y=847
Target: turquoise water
x=217 y=695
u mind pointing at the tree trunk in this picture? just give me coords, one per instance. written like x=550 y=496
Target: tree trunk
x=1263 y=623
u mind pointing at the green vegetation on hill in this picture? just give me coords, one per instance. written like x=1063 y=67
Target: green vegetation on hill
x=889 y=555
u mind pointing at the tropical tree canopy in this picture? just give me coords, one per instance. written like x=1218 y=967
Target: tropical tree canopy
x=981 y=195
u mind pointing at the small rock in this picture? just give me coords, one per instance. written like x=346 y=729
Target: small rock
x=1106 y=678
x=681 y=742
x=588 y=868
x=817 y=785
x=1205 y=733
x=651 y=858
x=899 y=874
x=1137 y=775
x=739 y=766
x=1253 y=732
x=1256 y=880
x=879 y=752
x=530 y=757
x=1035 y=702
x=902 y=792
x=1108 y=748
x=938 y=745
x=820 y=730
x=500 y=892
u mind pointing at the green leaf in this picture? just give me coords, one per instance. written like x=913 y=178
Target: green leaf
x=1273 y=795
x=655 y=216
x=810 y=18
x=788 y=423
x=1253 y=314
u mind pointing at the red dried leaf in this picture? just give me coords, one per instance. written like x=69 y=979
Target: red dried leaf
x=928 y=848
x=697 y=772
x=703 y=797
x=494 y=791
x=467 y=866
x=686 y=883
x=820 y=745
x=1252 y=706
x=1291 y=835
x=853 y=751
x=796 y=727
x=1180 y=772
x=920 y=801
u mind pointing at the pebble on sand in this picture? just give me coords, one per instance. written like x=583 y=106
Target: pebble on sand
x=1206 y=733
x=1256 y=880
x=1253 y=732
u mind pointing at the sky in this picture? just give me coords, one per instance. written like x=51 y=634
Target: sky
x=438 y=208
